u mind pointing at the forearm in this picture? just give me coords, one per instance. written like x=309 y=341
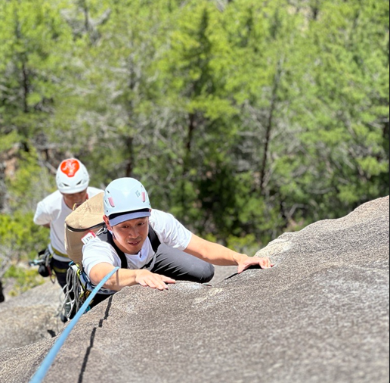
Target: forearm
x=214 y=253
x=126 y=277
x=120 y=279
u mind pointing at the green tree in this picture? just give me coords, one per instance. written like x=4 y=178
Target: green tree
x=243 y=118
x=341 y=111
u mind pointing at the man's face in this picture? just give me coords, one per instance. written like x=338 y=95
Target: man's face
x=75 y=199
x=130 y=235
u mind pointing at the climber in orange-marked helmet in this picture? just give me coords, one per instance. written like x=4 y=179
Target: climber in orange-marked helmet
x=72 y=180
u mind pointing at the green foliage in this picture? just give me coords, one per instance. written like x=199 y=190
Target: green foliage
x=31 y=36
x=21 y=236
x=245 y=245
x=29 y=184
x=243 y=118
x=8 y=141
x=23 y=279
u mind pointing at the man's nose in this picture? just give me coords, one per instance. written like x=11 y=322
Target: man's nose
x=133 y=233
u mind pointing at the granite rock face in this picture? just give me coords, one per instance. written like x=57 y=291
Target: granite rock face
x=320 y=315
x=30 y=317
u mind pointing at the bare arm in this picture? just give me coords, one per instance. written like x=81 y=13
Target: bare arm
x=222 y=256
x=126 y=277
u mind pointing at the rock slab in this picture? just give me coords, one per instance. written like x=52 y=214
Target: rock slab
x=320 y=315
x=30 y=317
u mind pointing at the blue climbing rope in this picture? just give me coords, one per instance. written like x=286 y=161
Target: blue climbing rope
x=47 y=362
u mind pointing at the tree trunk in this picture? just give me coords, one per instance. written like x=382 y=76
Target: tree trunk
x=270 y=126
x=25 y=84
x=84 y=6
x=130 y=161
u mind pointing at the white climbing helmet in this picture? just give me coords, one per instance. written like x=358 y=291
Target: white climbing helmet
x=125 y=199
x=72 y=176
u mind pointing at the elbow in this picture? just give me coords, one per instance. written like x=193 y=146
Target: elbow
x=95 y=279
x=96 y=275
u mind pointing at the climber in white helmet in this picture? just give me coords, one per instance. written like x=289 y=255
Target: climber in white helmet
x=72 y=182
x=152 y=247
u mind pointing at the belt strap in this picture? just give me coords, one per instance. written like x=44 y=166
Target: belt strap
x=55 y=251
x=58 y=270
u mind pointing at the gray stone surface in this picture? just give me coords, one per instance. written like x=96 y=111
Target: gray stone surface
x=222 y=272
x=30 y=317
x=320 y=315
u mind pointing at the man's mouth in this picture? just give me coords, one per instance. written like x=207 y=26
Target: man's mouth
x=134 y=243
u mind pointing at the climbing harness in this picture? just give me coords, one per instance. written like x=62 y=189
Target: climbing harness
x=77 y=290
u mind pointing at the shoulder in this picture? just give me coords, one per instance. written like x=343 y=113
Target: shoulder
x=160 y=218
x=97 y=251
x=169 y=230
x=96 y=244
x=156 y=214
x=159 y=214
x=53 y=197
x=97 y=248
x=51 y=202
x=48 y=208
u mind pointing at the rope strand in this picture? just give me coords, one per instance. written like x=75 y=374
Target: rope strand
x=47 y=362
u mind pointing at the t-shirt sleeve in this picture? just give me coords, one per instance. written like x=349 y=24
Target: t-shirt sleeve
x=42 y=215
x=169 y=230
x=97 y=251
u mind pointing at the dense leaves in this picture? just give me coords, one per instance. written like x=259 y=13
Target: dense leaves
x=243 y=118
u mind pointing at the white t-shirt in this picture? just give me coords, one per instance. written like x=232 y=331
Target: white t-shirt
x=53 y=210
x=168 y=229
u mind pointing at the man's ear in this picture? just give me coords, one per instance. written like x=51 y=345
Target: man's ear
x=107 y=222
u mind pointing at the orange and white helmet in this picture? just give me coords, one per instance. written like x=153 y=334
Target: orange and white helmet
x=72 y=176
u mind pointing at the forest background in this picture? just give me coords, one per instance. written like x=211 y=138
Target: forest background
x=243 y=118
